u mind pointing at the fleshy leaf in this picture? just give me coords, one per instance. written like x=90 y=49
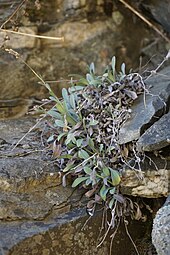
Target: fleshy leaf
x=59 y=123
x=68 y=167
x=111 y=203
x=79 y=180
x=93 y=122
x=72 y=101
x=83 y=154
x=79 y=142
x=103 y=192
x=65 y=95
x=115 y=177
x=87 y=170
x=53 y=113
x=92 y=68
x=106 y=171
x=60 y=136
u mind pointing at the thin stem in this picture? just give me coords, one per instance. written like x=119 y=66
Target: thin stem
x=113 y=235
x=12 y=15
x=28 y=132
x=127 y=232
x=86 y=160
x=32 y=35
x=109 y=227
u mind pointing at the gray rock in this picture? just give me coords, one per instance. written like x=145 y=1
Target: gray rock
x=144 y=114
x=70 y=233
x=159 y=11
x=157 y=136
x=28 y=181
x=20 y=41
x=161 y=229
x=6 y=9
x=89 y=32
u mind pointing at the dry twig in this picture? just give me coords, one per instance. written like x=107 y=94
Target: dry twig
x=13 y=14
x=32 y=35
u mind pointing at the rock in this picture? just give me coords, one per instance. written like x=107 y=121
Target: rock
x=77 y=33
x=157 y=136
x=152 y=181
x=89 y=28
x=6 y=9
x=17 y=82
x=159 y=11
x=17 y=41
x=14 y=108
x=147 y=111
x=28 y=181
x=161 y=229
x=70 y=233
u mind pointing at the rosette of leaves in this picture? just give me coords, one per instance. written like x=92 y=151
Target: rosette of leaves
x=87 y=122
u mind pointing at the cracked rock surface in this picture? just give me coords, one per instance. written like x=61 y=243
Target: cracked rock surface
x=147 y=110
x=30 y=186
x=161 y=229
x=157 y=136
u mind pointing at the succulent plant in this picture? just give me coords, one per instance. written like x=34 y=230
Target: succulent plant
x=87 y=121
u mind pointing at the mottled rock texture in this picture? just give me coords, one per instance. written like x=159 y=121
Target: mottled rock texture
x=30 y=185
x=69 y=233
x=152 y=181
x=93 y=31
x=148 y=108
x=149 y=125
x=161 y=229
x=157 y=136
x=159 y=11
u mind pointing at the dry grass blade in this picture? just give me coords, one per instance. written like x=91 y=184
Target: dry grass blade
x=31 y=35
x=31 y=129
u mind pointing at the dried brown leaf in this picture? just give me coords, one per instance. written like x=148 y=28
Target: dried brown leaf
x=90 y=193
x=57 y=149
x=90 y=204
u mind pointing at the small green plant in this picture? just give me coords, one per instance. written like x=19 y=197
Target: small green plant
x=86 y=136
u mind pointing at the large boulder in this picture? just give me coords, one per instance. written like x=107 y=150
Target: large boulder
x=161 y=229
x=158 y=11
x=149 y=126
x=28 y=181
x=37 y=214
x=148 y=108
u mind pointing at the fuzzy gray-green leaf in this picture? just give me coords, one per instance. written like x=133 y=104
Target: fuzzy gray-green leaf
x=83 y=154
x=79 y=180
x=79 y=142
x=72 y=101
x=93 y=122
x=103 y=192
x=59 y=123
x=65 y=95
x=87 y=170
